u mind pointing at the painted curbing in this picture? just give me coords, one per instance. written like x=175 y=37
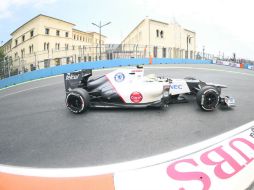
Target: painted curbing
x=224 y=162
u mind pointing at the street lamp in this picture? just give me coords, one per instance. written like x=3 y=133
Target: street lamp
x=188 y=41
x=100 y=26
x=203 y=52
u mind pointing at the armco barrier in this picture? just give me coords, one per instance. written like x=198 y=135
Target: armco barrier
x=180 y=61
x=52 y=71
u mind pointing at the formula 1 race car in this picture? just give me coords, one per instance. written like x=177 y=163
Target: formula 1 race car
x=129 y=88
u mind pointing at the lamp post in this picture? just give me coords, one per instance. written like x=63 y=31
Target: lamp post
x=203 y=52
x=188 y=41
x=100 y=26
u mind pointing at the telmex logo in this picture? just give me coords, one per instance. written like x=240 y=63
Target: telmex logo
x=71 y=77
x=176 y=86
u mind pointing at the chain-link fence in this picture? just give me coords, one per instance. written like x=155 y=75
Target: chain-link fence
x=15 y=63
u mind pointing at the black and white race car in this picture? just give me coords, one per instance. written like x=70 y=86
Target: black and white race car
x=129 y=88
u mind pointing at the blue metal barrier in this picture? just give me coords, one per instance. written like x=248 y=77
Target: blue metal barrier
x=52 y=71
x=180 y=61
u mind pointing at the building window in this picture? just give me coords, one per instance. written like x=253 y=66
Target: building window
x=58 y=33
x=74 y=37
x=57 y=46
x=157 y=33
x=66 y=46
x=162 y=34
x=31 y=49
x=46 y=46
x=164 y=52
x=66 y=34
x=46 y=63
x=22 y=53
x=23 y=38
x=31 y=33
x=47 y=31
x=16 y=42
x=155 y=49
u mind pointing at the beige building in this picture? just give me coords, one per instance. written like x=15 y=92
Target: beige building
x=159 y=39
x=45 y=41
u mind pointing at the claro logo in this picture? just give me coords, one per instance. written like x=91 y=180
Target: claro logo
x=220 y=160
x=71 y=76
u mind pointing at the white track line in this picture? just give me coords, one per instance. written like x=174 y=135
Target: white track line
x=14 y=93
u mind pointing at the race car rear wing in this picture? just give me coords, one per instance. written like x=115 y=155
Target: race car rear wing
x=76 y=79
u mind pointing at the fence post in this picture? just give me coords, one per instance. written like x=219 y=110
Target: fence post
x=150 y=60
x=9 y=72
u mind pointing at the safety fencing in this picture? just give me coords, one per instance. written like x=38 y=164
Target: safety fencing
x=249 y=66
x=57 y=70
x=14 y=64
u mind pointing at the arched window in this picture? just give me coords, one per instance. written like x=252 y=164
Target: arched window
x=162 y=34
x=157 y=33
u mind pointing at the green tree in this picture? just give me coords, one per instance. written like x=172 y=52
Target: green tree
x=1 y=62
x=1 y=54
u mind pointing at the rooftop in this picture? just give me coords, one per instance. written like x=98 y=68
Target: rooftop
x=41 y=15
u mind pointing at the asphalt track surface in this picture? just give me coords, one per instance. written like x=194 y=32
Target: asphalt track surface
x=37 y=130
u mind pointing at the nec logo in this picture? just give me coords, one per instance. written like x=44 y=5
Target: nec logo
x=176 y=86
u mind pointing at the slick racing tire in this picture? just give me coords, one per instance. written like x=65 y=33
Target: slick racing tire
x=77 y=100
x=208 y=98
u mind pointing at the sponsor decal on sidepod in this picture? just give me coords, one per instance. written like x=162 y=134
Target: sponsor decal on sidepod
x=136 y=97
x=119 y=77
x=176 y=86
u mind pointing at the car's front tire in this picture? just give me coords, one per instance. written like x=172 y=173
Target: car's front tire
x=208 y=98
x=77 y=100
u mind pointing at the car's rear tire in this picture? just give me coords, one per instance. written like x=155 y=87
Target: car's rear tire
x=77 y=100
x=208 y=98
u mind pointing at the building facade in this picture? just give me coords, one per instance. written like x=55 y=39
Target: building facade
x=45 y=41
x=159 y=39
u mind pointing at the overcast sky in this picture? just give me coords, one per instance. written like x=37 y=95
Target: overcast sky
x=221 y=25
